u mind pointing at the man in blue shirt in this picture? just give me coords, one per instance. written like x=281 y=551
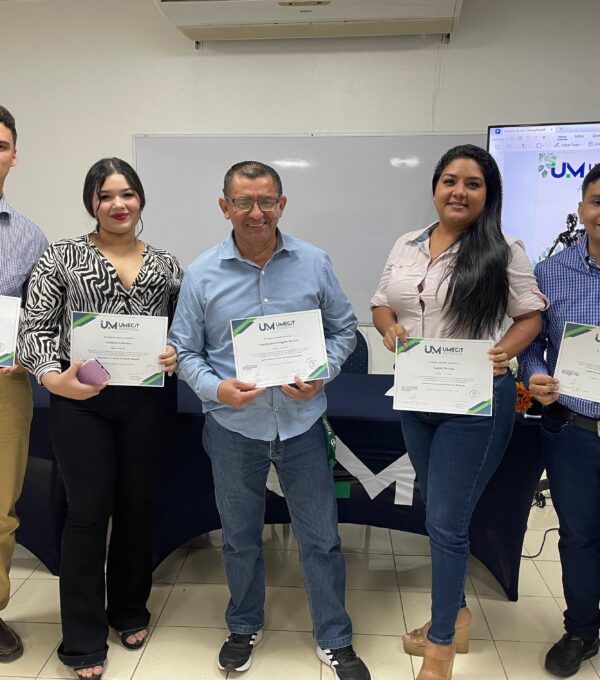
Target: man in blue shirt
x=571 y=433
x=21 y=244
x=257 y=271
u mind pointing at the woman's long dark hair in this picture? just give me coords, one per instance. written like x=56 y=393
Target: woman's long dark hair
x=96 y=176
x=478 y=288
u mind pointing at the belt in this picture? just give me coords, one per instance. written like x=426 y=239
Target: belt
x=584 y=422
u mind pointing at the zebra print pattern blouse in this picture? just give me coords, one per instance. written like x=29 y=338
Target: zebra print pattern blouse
x=73 y=275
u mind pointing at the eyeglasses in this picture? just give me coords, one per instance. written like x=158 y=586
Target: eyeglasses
x=245 y=203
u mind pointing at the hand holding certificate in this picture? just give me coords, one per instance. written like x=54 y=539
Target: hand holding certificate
x=10 y=308
x=444 y=376
x=578 y=365
x=271 y=350
x=127 y=346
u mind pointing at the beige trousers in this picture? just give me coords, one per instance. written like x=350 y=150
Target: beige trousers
x=16 y=409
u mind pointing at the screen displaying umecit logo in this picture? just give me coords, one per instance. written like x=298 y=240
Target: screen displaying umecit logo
x=549 y=166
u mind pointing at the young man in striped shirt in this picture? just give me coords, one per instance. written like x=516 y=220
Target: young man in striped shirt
x=21 y=244
x=571 y=433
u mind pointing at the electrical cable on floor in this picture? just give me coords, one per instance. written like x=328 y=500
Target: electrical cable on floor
x=539 y=552
x=539 y=501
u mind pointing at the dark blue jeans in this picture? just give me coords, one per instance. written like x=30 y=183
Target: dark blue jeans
x=572 y=458
x=454 y=458
x=240 y=466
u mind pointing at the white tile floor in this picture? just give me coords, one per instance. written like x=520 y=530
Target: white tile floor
x=388 y=593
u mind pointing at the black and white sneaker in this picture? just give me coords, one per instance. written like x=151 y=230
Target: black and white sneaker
x=236 y=652
x=345 y=663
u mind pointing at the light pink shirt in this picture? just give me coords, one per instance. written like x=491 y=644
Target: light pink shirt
x=409 y=266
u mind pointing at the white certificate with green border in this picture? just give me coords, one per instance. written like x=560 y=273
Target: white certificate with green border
x=578 y=364
x=436 y=375
x=127 y=346
x=270 y=350
x=10 y=310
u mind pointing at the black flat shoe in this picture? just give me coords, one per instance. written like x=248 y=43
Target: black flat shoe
x=11 y=646
x=133 y=645
x=566 y=656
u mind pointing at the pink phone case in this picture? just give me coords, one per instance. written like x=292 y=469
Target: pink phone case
x=92 y=372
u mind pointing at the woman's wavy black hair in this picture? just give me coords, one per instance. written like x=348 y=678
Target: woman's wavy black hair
x=478 y=288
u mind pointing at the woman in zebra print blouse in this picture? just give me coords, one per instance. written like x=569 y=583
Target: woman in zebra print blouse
x=106 y=439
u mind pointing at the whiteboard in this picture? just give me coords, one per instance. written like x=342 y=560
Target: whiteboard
x=350 y=195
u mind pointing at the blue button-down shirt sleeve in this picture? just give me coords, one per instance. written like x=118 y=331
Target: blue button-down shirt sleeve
x=187 y=335
x=533 y=358
x=571 y=282
x=339 y=321
x=21 y=245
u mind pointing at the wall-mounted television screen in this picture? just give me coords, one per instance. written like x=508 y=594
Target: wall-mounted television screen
x=542 y=169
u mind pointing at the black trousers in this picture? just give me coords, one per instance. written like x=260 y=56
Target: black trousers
x=107 y=448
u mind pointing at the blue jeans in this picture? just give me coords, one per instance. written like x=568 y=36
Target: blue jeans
x=454 y=458
x=572 y=458
x=240 y=466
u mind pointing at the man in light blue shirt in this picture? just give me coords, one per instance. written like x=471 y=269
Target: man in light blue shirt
x=257 y=271
x=21 y=244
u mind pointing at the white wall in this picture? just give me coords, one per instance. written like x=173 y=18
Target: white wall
x=82 y=76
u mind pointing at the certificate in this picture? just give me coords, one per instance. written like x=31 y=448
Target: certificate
x=578 y=365
x=444 y=376
x=10 y=309
x=127 y=346
x=271 y=350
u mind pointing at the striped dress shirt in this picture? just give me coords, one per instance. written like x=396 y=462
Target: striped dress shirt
x=571 y=281
x=21 y=245
x=414 y=286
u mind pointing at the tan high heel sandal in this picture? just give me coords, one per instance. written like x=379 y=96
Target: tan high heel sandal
x=414 y=642
x=437 y=662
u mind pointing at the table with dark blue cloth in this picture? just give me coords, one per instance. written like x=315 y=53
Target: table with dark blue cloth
x=361 y=416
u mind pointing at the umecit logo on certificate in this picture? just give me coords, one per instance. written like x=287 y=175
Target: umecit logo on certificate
x=444 y=376
x=271 y=350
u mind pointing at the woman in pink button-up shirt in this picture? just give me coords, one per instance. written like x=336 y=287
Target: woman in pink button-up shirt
x=458 y=278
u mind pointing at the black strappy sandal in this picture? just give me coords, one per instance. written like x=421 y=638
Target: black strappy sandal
x=85 y=668
x=128 y=633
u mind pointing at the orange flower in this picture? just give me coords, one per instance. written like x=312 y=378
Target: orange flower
x=524 y=398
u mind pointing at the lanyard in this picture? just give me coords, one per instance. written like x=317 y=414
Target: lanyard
x=330 y=442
